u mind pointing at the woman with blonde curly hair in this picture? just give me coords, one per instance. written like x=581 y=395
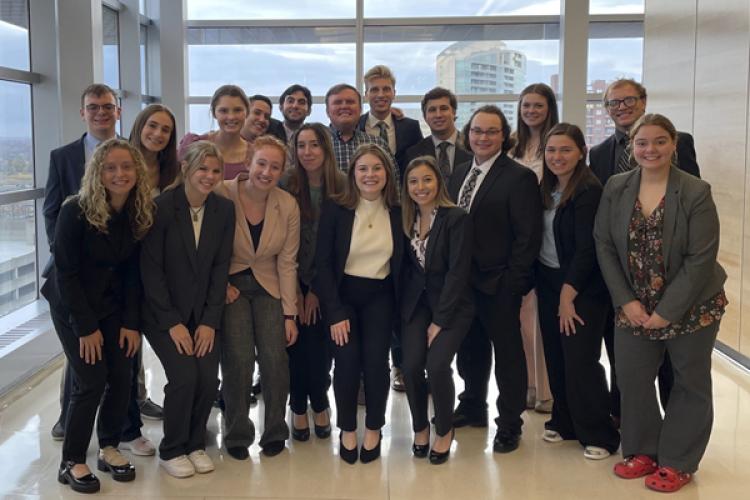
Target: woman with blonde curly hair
x=94 y=294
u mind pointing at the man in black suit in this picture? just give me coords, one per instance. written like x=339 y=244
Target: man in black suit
x=502 y=198
x=399 y=132
x=446 y=143
x=295 y=104
x=625 y=101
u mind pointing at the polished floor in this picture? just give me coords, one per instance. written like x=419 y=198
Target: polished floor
x=313 y=469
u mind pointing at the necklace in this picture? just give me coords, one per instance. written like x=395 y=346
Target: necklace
x=196 y=212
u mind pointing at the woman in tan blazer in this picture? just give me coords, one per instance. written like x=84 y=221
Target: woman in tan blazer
x=261 y=298
x=657 y=239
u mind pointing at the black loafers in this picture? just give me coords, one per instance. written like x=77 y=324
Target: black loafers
x=506 y=441
x=85 y=484
x=122 y=473
x=238 y=452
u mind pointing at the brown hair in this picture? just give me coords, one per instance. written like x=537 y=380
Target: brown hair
x=409 y=208
x=657 y=120
x=98 y=90
x=581 y=172
x=621 y=82
x=228 y=91
x=523 y=132
x=349 y=198
x=340 y=87
x=167 y=157
x=298 y=183
x=439 y=93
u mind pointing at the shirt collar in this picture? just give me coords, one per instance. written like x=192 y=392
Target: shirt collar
x=372 y=120
x=485 y=167
x=619 y=136
x=450 y=140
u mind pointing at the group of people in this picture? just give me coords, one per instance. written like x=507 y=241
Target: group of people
x=305 y=247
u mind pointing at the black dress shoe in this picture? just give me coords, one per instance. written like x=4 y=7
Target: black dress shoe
x=238 y=452
x=300 y=434
x=324 y=431
x=347 y=455
x=420 y=450
x=366 y=456
x=440 y=457
x=58 y=431
x=506 y=441
x=122 y=473
x=275 y=447
x=85 y=484
x=461 y=419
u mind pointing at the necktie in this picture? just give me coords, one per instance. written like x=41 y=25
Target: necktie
x=465 y=199
x=623 y=162
x=383 y=132
x=444 y=163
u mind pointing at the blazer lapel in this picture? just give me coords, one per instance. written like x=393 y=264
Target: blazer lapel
x=457 y=179
x=625 y=213
x=207 y=239
x=671 y=200
x=270 y=222
x=234 y=188
x=437 y=226
x=186 y=227
x=495 y=171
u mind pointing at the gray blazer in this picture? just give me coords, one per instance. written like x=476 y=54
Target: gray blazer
x=690 y=241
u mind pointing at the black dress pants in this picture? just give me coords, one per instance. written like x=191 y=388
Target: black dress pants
x=309 y=366
x=581 y=408
x=370 y=305
x=104 y=385
x=133 y=423
x=436 y=360
x=188 y=395
x=497 y=323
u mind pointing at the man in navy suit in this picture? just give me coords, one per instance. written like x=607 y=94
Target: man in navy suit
x=398 y=131
x=625 y=101
x=446 y=143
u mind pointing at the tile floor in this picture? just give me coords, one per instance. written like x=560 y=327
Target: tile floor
x=313 y=469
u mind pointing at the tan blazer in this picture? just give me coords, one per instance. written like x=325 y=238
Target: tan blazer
x=690 y=241
x=274 y=263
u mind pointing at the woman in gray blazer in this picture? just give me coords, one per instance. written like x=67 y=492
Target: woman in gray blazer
x=657 y=239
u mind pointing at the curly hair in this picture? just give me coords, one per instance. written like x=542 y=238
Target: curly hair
x=94 y=199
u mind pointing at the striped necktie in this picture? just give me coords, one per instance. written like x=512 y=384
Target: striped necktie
x=383 y=132
x=624 y=163
x=444 y=163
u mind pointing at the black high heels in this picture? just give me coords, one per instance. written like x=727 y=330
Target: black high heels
x=300 y=434
x=440 y=457
x=347 y=455
x=84 y=484
x=420 y=450
x=324 y=431
x=367 y=456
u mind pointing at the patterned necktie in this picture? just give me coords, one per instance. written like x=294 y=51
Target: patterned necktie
x=465 y=199
x=383 y=132
x=623 y=162
x=444 y=163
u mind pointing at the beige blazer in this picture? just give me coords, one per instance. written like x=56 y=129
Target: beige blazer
x=274 y=262
x=690 y=241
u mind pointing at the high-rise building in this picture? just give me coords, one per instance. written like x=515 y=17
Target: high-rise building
x=598 y=124
x=482 y=68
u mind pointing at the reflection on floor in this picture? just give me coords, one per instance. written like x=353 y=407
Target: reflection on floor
x=313 y=469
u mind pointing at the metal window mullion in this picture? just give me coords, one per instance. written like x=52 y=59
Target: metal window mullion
x=359 y=45
x=22 y=195
x=19 y=76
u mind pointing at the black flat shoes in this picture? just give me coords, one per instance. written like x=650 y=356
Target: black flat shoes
x=85 y=484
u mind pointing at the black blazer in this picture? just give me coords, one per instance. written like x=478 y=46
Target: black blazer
x=276 y=129
x=507 y=219
x=445 y=278
x=426 y=147
x=603 y=162
x=574 y=239
x=181 y=282
x=332 y=250
x=408 y=132
x=94 y=274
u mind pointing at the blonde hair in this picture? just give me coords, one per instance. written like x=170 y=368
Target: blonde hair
x=193 y=159
x=409 y=209
x=379 y=71
x=94 y=200
x=349 y=198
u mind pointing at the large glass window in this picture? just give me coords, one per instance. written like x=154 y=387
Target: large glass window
x=616 y=6
x=421 y=8
x=16 y=144
x=17 y=256
x=111 y=47
x=143 y=43
x=277 y=9
x=14 y=34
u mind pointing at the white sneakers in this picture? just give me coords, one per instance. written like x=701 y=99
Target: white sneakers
x=187 y=465
x=201 y=462
x=140 y=446
x=551 y=436
x=595 y=453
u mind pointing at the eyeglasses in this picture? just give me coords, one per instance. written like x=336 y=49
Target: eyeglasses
x=94 y=108
x=493 y=132
x=628 y=101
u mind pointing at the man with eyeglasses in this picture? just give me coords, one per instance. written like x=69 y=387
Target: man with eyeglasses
x=502 y=198
x=625 y=101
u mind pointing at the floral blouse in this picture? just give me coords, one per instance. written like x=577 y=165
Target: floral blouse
x=648 y=274
x=419 y=244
